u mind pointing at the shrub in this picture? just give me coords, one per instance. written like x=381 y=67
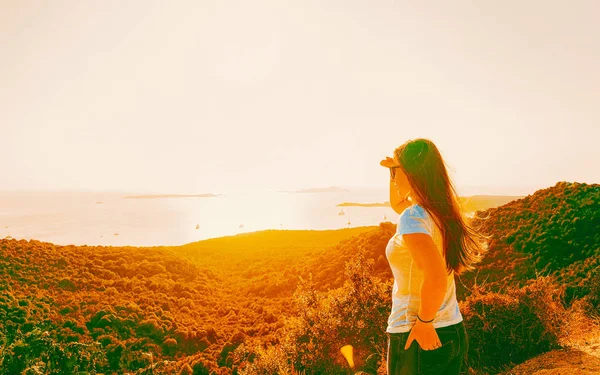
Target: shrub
x=593 y=299
x=169 y=346
x=67 y=284
x=504 y=330
x=354 y=314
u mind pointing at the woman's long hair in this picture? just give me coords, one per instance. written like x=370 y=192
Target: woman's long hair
x=426 y=172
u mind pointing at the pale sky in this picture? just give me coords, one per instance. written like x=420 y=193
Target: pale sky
x=217 y=96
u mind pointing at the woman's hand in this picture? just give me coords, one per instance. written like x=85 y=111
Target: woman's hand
x=388 y=162
x=425 y=335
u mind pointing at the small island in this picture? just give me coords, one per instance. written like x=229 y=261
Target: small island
x=469 y=204
x=331 y=189
x=353 y=204
x=159 y=196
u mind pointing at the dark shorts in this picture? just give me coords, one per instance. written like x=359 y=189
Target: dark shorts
x=449 y=359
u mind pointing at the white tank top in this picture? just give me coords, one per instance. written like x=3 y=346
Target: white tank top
x=406 y=292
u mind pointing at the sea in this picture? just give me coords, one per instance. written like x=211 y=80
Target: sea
x=112 y=219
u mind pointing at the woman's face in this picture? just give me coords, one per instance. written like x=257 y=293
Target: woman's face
x=401 y=181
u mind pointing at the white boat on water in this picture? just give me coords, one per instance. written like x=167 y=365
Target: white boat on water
x=341 y=212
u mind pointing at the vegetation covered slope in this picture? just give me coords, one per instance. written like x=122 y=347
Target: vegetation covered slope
x=555 y=231
x=126 y=308
x=240 y=303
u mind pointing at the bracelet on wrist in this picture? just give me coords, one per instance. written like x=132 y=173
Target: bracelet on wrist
x=425 y=321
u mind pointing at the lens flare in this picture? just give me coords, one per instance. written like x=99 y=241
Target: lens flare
x=347 y=353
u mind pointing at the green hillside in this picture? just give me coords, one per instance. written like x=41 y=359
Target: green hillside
x=256 y=302
x=554 y=231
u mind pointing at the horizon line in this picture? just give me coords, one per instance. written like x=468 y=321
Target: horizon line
x=352 y=188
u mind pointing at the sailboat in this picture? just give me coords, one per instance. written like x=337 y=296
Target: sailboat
x=341 y=212
x=197 y=226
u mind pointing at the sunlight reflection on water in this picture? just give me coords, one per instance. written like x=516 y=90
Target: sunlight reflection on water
x=109 y=219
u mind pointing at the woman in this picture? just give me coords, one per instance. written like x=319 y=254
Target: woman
x=432 y=242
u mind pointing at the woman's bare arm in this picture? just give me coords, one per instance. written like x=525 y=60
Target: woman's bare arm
x=430 y=261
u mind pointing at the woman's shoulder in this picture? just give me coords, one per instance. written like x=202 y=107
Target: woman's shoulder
x=414 y=216
x=414 y=211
